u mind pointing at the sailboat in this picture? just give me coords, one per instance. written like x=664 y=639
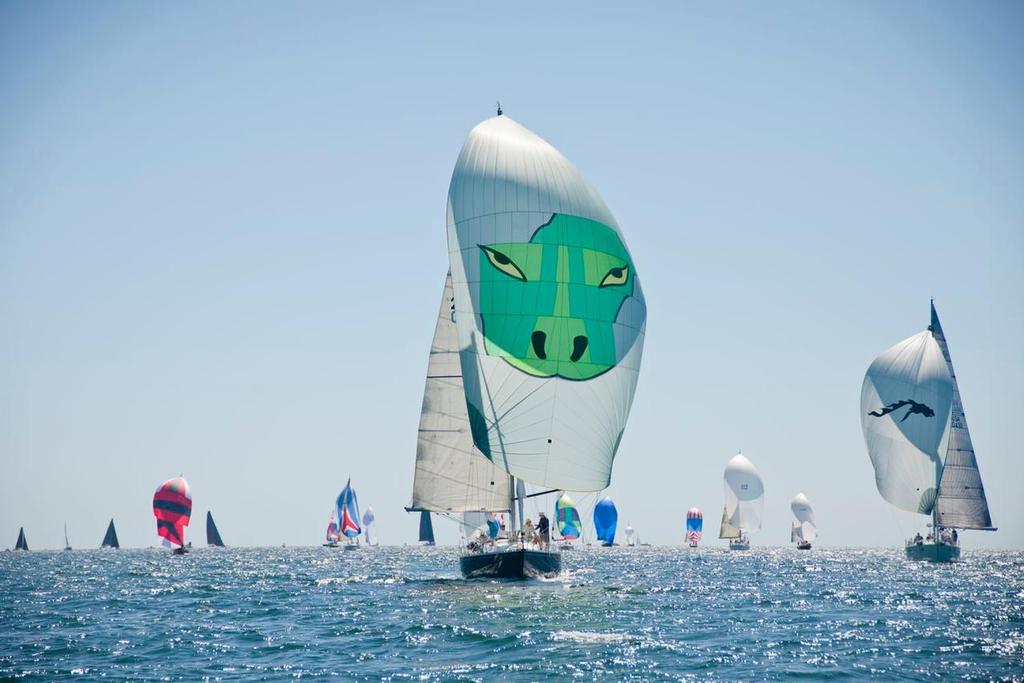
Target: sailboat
x=370 y=526
x=172 y=507
x=606 y=519
x=916 y=433
x=67 y=543
x=694 y=526
x=21 y=544
x=804 y=529
x=110 y=538
x=744 y=502
x=332 y=534
x=212 y=534
x=426 y=536
x=567 y=520
x=348 y=513
x=630 y=534
x=550 y=321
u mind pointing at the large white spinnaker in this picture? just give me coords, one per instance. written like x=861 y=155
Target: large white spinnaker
x=804 y=525
x=904 y=411
x=451 y=474
x=744 y=494
x=549 y=310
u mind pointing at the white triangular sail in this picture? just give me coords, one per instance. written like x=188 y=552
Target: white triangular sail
x=549 y=310
x=451 y=474
x=961 y=501
x=904 y=410
x=727 y=530
x=744 y=494
x=805 y=527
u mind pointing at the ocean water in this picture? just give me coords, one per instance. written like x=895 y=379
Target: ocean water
x=617 y=614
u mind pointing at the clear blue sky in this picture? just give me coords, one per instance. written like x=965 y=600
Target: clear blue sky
x=222 y=244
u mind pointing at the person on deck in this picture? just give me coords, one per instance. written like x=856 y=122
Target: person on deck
x=544 y=531
x=528 y=531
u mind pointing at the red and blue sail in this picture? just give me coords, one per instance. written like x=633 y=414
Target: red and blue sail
x=567 y=517
x=332 y=530
x=172 y=507
x=694 y=525
x=348 y=511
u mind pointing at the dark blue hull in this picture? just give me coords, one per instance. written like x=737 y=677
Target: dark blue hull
x=511 y=564
x=933 y=552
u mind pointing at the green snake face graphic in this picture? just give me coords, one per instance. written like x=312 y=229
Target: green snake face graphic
x=549 y=305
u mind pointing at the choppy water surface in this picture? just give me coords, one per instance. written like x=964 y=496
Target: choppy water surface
x=404 y=614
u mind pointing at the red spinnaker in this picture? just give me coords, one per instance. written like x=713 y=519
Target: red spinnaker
x=172 y=507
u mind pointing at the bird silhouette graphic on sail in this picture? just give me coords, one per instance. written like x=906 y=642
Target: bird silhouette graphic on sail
x=915 y=408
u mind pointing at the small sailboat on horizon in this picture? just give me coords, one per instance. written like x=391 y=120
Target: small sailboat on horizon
x=744 y=502
x=426 y=531
x=172 y=507
x=212 y=533
x=21 y=543
x=348 y=514
x=332 y=535
x=804 y=530
x=567 y=520
x=110 y=538
x=915 y=429
x=694 y=526
x=370 y=527
x=67 y=543
x=606 y=521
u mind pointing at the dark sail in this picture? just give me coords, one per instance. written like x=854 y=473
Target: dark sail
x=212 y=535
x=110 y=539
x=426 y=528
x=21 y=544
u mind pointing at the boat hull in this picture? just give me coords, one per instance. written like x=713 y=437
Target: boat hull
x=739 y=545
x=511 y=564
x=805 y=545
x=932 y=552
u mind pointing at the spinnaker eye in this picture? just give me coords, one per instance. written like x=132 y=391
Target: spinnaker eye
x=615 y=277
x=503 y=263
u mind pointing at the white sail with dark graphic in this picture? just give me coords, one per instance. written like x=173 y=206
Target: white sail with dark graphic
x=961 y=500
x=804 y=527
x=905 y=406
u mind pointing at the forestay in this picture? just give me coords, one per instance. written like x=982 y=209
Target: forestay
x=549 y=310
x=904 y=410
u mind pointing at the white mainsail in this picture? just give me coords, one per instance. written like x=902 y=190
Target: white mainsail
x=961 y=500
x=744 y=495
x=451 y=474
x=904 y=410
x=549 y=310
x=804 y=528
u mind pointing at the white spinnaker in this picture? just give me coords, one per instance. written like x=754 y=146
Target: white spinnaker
x=744 y=494
x=905 y=405
x=804 y=514
x=451 y=474
x=370 y=526
x=549 y=431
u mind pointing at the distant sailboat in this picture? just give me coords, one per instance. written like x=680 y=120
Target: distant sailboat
x=426 y=536
x=694 y=526
x=67 y=543
x=332 y=534
x=348 y=513
x=804 y=530
x=370 y=526
x=606 y=519
x=916 y=433
x=744 y=502
x=567 y=520
x=110 y=538
x=630 y=533
x=172 y=507
x=22 y=544
x=212 y=534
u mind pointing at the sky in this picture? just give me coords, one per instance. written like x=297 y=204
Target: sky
x=222 y=244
